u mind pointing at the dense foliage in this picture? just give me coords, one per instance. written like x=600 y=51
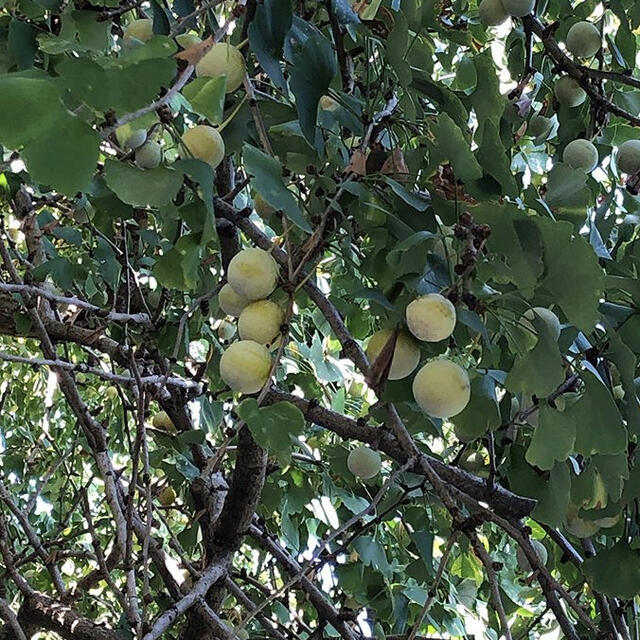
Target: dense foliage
x=320 y=169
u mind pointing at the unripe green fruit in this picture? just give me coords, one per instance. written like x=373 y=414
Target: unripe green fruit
x=539 y=126
x=162 y=421
x=253 y=273
x=262 y=207
x=149 y=155
x=431 y=318
x=569 y=92
x=138 y=30
x=406 y=354
x=260 y=321
x=442 y=388
x=581 y=154
x=223 y=59
x=167 y=496
x=81 y=378
x=547 y=316
x=230 y=302
x=518 y=8
x=204 y=143
x=618 y=391
x=245 y=366
x=583 y=39
x=473 y=462
x=111 y=393
x=364 y=462
x=628 y=157
x=492 y=13
x=135 y=139
x=541 y=552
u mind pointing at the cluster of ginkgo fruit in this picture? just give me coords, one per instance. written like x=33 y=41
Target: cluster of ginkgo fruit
x=202 y=141
x=583 y=41
x=252 y=277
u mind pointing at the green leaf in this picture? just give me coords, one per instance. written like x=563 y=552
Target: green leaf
x=267 y=32
x=573 y=276
x=487 y=100
x=481 y=414
x=29 y=107
x=142 y=187
x=396 y=49
x=494 y=160
x=21 y=43
x=451 y=145
x=553 y=439
x=266 y=179
x=203 y=174
x=515 y=236
x=275 y=427
x=314 y=66
x=372 y=554
x=599 y=426
x=122 y=89
x=178 y=268
x=567 y=190
x=75 y=146
x=615 y=572
x=206 y=97
x=552 y=490
x=540 y=370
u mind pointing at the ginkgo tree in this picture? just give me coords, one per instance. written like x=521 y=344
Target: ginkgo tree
x=319 y=318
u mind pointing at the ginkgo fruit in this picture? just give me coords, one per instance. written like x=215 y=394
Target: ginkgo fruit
x=260 y=321
x=141 y=29
x=628 y=157
x=149 y=155
x=204 y=143
x=431 y=318
x=262 y=207
x=223 y=59
x=442 y=388
x=581 y=154
x=245 y=366
x=230 y=301
x=583 y=39
x=135 y=139
x=111 y=393
x=364 y=462
x=541 y=552
x=550 y=319
x=539 y=126
x=253 y=273
x=167 y=496
x=406 y=354
x=162 y=421
x=81 y=378
x=518 y=8
x=492 y=13
x=569 y=92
